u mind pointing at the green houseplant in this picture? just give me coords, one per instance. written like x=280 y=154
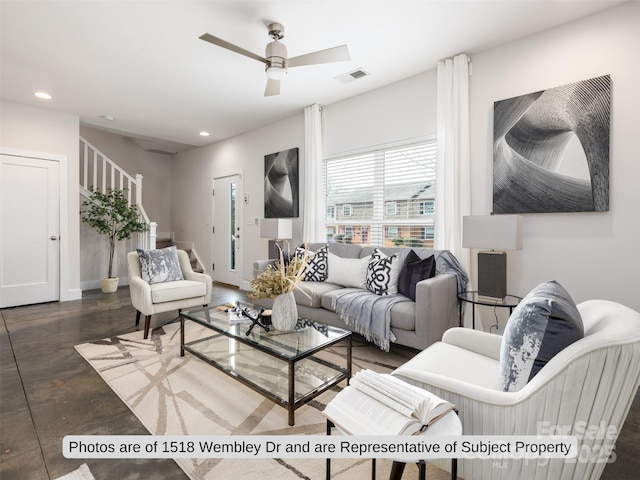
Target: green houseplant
x=110 y=214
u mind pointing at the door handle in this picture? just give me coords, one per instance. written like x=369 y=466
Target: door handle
x=53 y=237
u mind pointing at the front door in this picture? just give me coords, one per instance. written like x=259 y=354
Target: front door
x=29 y=230
x=227 y=215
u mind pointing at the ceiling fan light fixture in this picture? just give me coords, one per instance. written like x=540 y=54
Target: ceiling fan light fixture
x=276 y=72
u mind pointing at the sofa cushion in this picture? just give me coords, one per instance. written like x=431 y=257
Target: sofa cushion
x=317 y=263
x=179 y=290
x=309 y=294
x=344 y=250
x=160 y=265
x=415 y=269
x=347 y=272
x=328 y=297
x=403 y=316
x=382 y=273
x=544 y=322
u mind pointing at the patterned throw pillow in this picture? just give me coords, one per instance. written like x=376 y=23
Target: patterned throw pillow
x=544 y=322
x=160 y=265
x=382 y=273
x=317 y=263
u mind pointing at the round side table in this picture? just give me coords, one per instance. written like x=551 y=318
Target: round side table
x=510 y=302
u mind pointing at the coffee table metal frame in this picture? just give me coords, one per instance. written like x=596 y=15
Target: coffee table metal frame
x=218 y=322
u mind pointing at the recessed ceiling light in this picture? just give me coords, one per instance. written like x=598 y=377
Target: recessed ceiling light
x=204 y=134
x=107 y=117
x=43 y=95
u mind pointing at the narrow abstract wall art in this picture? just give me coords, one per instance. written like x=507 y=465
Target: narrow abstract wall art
x=551 y=149
x=281 y=187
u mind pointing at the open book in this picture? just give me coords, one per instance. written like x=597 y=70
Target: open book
x=379 y=404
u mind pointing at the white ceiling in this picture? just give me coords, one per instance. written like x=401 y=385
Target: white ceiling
x=142 y=63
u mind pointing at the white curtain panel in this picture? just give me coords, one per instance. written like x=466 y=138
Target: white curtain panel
x=313 y=229
x=453 y=194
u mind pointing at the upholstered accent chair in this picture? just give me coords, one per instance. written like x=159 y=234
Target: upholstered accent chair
x=585 y=390
x=150 y=299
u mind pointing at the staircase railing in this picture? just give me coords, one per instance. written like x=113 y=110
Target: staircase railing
x=99 y=172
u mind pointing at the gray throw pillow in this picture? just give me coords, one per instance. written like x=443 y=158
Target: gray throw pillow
x=160 y=265
x=415 y=270
x=544 y=322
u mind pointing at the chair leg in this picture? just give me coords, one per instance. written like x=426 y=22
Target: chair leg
x=147 y=324
x=397 y=469
x=137 y=318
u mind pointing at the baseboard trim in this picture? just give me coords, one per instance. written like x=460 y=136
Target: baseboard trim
x=75 y=294
x=96 y=285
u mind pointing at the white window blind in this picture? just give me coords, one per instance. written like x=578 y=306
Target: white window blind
x=370 y=183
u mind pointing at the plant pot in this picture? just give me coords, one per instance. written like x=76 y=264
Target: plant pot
x=109 y=285
x=284 y=313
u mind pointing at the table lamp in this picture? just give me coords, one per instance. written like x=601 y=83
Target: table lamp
x=497 y=233
x=276 y=229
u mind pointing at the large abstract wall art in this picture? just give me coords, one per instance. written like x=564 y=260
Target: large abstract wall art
x=281 y=188
x=551 y=150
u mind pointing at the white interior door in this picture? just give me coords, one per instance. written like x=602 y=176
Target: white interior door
x=227 y=235
x=29 y=230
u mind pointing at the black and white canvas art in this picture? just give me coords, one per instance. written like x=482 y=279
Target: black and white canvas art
x=281 y=188
x=551 y=149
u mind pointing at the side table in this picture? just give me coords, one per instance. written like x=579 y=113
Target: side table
x=510 y=302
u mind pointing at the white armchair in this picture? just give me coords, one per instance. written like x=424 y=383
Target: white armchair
x=585 y=390
x=193 y=291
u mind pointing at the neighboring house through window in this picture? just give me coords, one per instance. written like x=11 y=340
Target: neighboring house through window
x=387 y=193
x=427 y=207
x=392 y=208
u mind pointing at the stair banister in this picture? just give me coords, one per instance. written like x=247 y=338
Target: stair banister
x=147 y=239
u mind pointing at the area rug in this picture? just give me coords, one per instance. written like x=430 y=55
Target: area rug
x=173 y=395
x=81 y=473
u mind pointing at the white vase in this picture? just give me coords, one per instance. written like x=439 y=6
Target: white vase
x=284 y=314
x=109 y=285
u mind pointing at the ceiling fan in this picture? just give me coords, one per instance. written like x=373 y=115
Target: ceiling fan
x=275 y=59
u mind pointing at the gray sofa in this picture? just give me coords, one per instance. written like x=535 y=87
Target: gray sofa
x=415 y=324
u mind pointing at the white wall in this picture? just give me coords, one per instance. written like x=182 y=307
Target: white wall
x=192 y=181
x=398 y=112
x=31 y=129
x=594 y=255
x=156 y=199
x=402 y=111
x=154 y=167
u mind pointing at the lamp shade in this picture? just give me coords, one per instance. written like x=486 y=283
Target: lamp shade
x=276 y=228
x=497 y=232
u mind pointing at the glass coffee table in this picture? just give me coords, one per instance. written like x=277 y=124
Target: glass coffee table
x=289 y=368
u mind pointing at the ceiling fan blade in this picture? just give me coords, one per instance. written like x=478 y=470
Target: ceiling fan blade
x=230 y=46
x=335 y=54
x=273 y=88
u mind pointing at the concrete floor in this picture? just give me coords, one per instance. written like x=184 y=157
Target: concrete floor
x=48 y=391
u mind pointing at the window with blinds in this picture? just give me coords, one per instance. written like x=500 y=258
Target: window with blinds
x=383 y=197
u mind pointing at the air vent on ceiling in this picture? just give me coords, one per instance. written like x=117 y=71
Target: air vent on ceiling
x=351 y=76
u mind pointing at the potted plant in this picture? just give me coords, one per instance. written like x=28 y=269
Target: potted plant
x=111 y=214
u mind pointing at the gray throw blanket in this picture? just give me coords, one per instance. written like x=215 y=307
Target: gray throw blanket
x=447 y=263
x=368 y=314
